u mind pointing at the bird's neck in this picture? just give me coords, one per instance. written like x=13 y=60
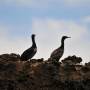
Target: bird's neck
x=33 y=42
x=62 y=43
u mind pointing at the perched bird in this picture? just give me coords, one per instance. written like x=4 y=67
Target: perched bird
x=30 y=52
x=57 y=53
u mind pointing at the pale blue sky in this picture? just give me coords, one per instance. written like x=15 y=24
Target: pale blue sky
x=49 y=20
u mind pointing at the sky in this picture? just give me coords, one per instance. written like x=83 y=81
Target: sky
x=49 y=20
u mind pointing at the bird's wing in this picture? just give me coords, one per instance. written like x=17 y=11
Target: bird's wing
x=30 y=50
x=56 y=53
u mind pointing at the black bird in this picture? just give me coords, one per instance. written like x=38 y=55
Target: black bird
x=57 y=53
x=30 y=52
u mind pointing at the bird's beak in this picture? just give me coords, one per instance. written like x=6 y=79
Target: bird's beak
x=68 y=37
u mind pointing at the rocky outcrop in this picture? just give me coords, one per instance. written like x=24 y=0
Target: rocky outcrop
x=40 y=74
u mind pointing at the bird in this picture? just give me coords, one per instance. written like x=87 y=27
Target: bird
x=30 y=52
x=58 y=53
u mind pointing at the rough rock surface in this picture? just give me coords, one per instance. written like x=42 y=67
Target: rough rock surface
x=40 y=74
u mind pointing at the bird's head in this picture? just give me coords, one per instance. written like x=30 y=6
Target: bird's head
x=33 y=35
x=65 y=37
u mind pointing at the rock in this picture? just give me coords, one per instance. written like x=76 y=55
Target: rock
x=72 y=60
x=40 y=74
